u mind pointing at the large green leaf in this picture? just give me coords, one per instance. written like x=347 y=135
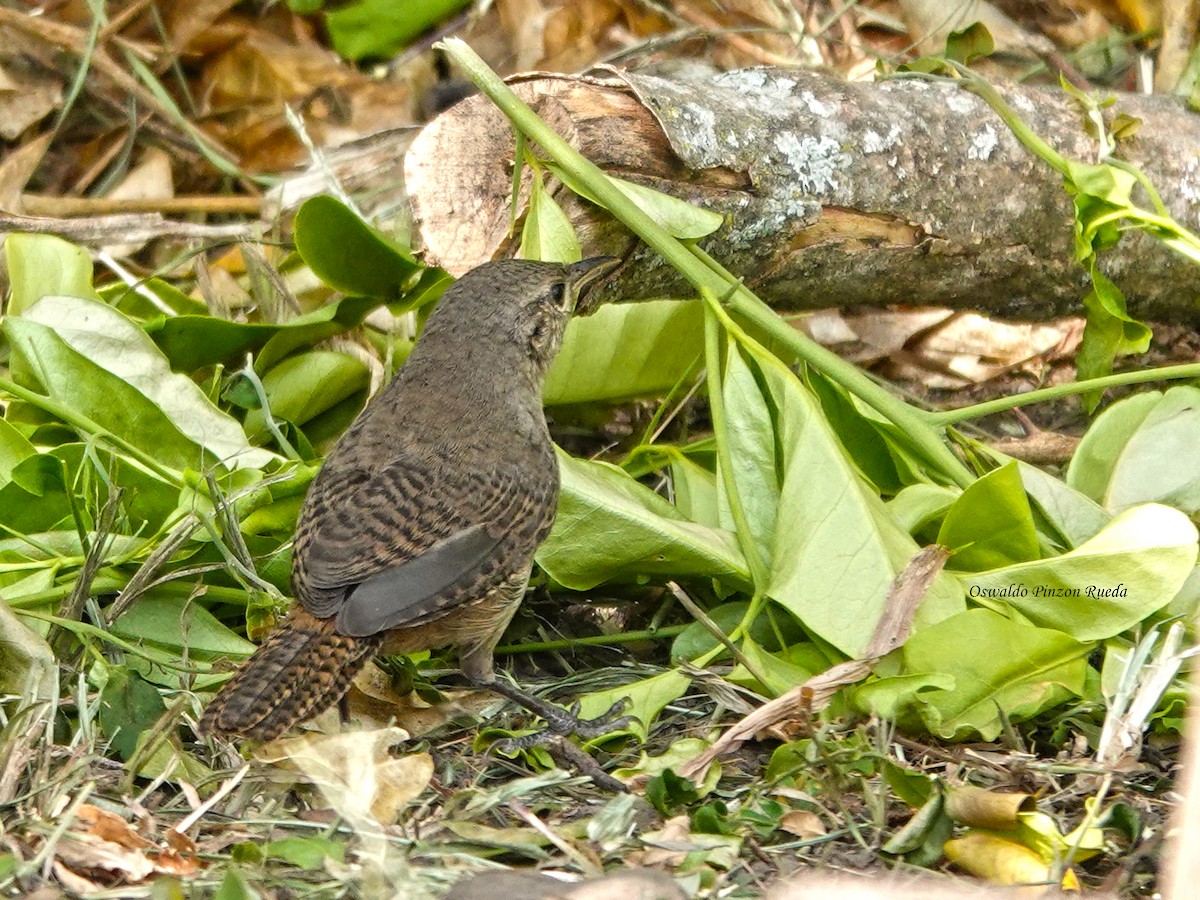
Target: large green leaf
x=1096 y=456
x=348 y=254
x=624 y=351
x=41 y=265
x=990 y=524
x=1144 y=450
x=609 y=526
x=833 y=546
x=306 y=385
x=174 y=623
x=969 y=674
x=91 y=358
x=1129 y=570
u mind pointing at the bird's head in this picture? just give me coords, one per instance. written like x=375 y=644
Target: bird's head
x=527 y=304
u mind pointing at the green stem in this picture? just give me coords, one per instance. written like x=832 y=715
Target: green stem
x=80 y=422
x=110 y=584
x=704 y=273
x=1166 y=373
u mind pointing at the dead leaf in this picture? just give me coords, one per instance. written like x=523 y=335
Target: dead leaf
x=802 y=823
x=18 y=167
x=1006 y=862
x=26 y=97
x=108 y=826
x=980 y=808
x=355 y=771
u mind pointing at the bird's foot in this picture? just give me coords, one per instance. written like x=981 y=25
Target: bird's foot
x=560 y=722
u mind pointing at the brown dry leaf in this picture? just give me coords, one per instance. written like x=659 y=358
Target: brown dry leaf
x=802 y=823
x=86 y=853
x=979 y=348
x=884 y=333
x=108 y=826
x=675 y=830
x=373 y=699
x=17 y=168
x=356 y=772
x=980 y=808
x=246 y=86
x=74 y=882
x=1006 y=862
x=187 y=19
x=26 y=97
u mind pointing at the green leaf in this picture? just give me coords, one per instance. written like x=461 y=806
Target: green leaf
x=174 y=623
x=129 y=706
x=28 y=668
x=192 y=342
x=371 y=28
x=1149 y=452
x=14 y=447
x=863 y=433
x=696 y=640
x=609 y=526
x=1128 y=571
x=347 y=253
x=547 y=234
x=91 y=358
x=695 y=491
x=967 y=674
x=833 y=583
x=306 y=385
x=41 y=265
x=971 y=43
x=990 y=524
x=305 y=852
x=624 y=351
x=921 y=504
x=680 y=218
x=1091 y=468
x=1072 y=514
x=235 y=887
x=1109 y=332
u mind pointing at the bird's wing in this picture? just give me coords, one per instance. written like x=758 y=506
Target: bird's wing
x=397 y=546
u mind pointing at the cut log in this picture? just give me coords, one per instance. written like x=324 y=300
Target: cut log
x=899 y=192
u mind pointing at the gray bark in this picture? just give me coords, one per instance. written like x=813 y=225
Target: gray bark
x=836 y=193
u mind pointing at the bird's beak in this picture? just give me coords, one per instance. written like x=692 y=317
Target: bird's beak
x=584 y=275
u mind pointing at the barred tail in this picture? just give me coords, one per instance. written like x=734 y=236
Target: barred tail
x=302 y=668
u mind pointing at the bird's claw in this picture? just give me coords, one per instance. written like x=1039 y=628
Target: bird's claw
x=566 y=722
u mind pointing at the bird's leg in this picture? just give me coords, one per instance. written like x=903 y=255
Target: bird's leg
x=559 y=721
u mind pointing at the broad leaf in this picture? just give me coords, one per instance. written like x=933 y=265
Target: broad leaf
x=990 y=524
x=625 y=351
x=348 y=254
x=969 y=673
x=41 y=265
x=1129 y=570
x=834 y=548
x=609 y=526
x=91 y=358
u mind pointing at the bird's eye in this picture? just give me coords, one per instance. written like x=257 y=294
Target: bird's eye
x=557 y=292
